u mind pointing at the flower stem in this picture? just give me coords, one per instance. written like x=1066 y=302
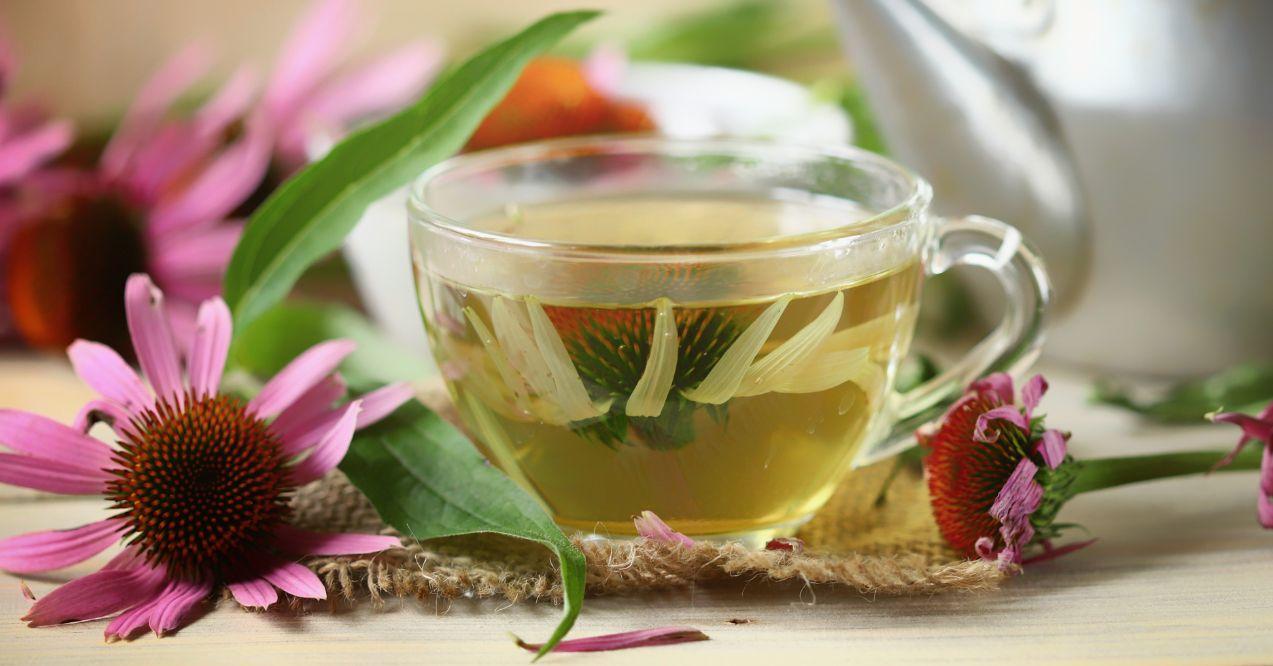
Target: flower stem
x=1101 y=473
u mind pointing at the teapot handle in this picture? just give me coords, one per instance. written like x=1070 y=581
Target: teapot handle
x=1011 y=347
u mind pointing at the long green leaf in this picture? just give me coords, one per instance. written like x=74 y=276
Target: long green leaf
x=310 y=214
x=290 y=328
x=426 y=480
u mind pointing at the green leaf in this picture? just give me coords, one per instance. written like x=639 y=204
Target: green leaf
x=288 y=329
x=310 y=214
x=748 y=34
x=1243 y=388
x=426 y=479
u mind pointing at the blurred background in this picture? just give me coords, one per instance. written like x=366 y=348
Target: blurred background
x=1129 y=140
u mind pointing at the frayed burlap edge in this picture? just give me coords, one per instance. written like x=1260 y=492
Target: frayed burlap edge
x=876 y=535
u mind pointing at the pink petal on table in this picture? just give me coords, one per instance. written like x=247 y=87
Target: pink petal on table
x=152 y=336
x=22 y=153
x=210 y=347
x=45 y=551
x=178 y=74
x=998 y=384
x=230 y=178
x=93 y=596
x=253 y=593
x=229 y=103
x=309 y=55
x=175 y=605
x=623 y=641
x=982 y=433
x=295 y=580
x=382 y=402
x=377 y=88
x=297 y=425
x=43 y=438
x=53 y=477
x=329 y=451
x=1032 y=393
x=106 y=372
x=103 y=411
x=650 y=526
x=299 y=376
x=1050 y=553
x=300 y=542
x=1052 y=448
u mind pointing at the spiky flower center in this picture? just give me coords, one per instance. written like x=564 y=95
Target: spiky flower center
x=965 y=475
x=201 y=484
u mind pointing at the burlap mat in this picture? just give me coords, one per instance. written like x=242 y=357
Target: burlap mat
x=889 y=548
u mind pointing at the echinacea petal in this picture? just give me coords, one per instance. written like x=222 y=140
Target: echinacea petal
x=330 y=450
x=253 y=593
x=49 y=476
x=295 y=580
x=605 y=67
x=175 y=605
x=299 y=376
x=42 y=438
x=1007 y=413
x=309 y=55
x=96 y=595
x=103 y=411
x=187 y=260
x=623 y=640
x=378 y=87
x=152 y=335
x=300 y=542
x=998 y=385
x=228 y=104
x=106 y=372
x=305 y=421
x=20 y=154
x=382 y=402
x=45 y=551
x=130 y=622
x=1052 y=448
x=210 y=347
x=172 y=79
x=1032 y=393
x=220 y=187
x=1252 y=427
x=650 y=526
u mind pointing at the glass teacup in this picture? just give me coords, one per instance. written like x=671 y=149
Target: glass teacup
x=709 y=330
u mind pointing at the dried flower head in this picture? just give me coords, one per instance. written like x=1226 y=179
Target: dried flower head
x=996 y=477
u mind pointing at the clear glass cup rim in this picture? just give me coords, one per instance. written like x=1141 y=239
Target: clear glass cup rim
x=918 y=192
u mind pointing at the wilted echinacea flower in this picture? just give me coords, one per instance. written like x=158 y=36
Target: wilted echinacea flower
x=997 y=478
x=200 y=480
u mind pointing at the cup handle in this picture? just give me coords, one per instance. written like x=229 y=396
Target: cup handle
x=1011 y=347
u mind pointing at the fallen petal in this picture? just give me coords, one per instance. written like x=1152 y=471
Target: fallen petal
x=26 y=590
x=623 y=641
x=789 y=544
x=650 y=526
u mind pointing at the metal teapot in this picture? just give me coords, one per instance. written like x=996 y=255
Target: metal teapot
x=1132 y=140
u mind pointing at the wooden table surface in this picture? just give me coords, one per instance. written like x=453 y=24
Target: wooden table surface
x=1182 y=573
